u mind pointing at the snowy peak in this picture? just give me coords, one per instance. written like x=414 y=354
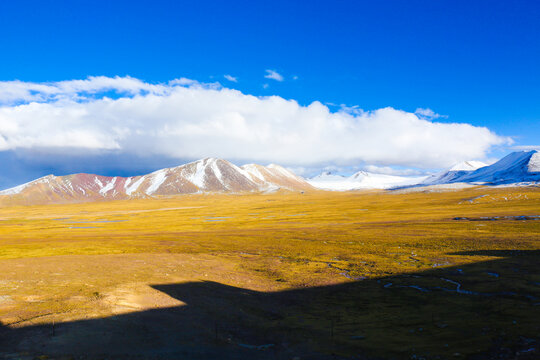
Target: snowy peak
x=534 y=162
x=470 y=165
x=327 y=175
x=218 y=175
x=274 y=176
x=360 y=175
x=455 y=172
x=212 y=174
x=517 y=167
x=522 y=166
x=360 y=180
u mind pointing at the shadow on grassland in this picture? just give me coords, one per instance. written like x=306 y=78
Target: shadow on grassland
x=488 y=309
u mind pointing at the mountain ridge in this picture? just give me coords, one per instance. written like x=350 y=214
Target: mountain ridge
x=211 y=175
x=361 y=180
x=522 y=167
x=201 y=176
x=453 y=172
x=514 y=168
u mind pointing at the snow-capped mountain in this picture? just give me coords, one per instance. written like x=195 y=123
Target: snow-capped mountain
x=207 y=175
x=216 y=175
x=456 y=171
x=274 y=175
x=517 y=167
x=361 y=180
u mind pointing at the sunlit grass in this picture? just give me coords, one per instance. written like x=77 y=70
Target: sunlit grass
x=376 y=229
x=283 y=241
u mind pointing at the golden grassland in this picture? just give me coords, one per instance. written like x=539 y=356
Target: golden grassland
x=350 y=274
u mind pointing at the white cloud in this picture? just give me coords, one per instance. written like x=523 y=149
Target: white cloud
x=230 y=78
x=274 y=75
x=186 y=119
x=14 y=92
x=265 y=86
x=387 y=170
x=428 y=114
x=526 y=147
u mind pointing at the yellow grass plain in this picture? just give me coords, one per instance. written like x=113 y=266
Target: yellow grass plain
x=284 y=275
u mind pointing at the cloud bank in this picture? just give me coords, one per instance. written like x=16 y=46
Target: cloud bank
x=387 y=170
x=186 y=119
x=526 y=147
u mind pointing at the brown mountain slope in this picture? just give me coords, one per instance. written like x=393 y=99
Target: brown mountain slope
x=206 y=175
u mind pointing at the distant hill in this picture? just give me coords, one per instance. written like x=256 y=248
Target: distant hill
x=361 y=180
x=516 y=168
x=206 y=175
x=520 y=168
x=456 y=171
x=212 y=175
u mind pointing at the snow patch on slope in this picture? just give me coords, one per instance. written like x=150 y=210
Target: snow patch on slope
x=252 y=172
x=282 y=171
x=534 y=163
x=470 y=165
x=198 y=177
x=98 y=182
x=19 y=188
x=16 y=189
x=217 y=172
x=108 y=187
x=158 y=177
x=134 y=186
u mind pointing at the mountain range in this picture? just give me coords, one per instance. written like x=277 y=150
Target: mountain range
x=217 y=175
x=206 y=175
x=361 y=180
x=454 y=173
x=521 y=168
x=516 y=168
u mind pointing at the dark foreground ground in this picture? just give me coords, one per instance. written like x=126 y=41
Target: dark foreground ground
x=459 y=312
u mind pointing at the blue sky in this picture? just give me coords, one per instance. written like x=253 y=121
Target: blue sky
x=475 y=62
